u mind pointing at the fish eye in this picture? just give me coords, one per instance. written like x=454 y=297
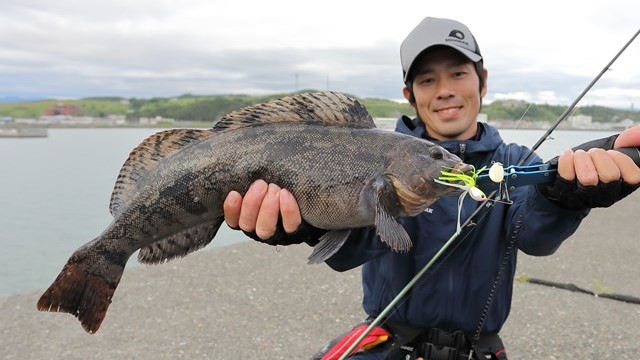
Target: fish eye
x=436 y=153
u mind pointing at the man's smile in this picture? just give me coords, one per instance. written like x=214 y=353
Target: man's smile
x=448 y=111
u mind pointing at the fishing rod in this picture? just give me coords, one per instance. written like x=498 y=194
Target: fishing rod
x=463 y=230
x=575 y=102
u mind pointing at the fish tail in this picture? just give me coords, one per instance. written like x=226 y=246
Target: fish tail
x=84 y=287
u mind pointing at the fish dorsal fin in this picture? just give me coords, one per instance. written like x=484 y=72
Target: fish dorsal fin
x=146 y=156
x=328 y=108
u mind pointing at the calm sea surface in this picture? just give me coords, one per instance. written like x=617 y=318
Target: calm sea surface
x=55 y=191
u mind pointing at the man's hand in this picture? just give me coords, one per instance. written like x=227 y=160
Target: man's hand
x=260 y=210
x=602 y=166
x=597 y=177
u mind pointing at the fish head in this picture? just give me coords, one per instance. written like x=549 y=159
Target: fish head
x=413 y=171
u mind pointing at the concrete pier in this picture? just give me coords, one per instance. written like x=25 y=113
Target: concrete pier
x=23 y=132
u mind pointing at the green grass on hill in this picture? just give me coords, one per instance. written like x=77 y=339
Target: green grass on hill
x=381 y=108
x=211 y=108
x=88 y=107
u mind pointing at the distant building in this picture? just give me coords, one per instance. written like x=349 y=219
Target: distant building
x=62 y=109
x=155 y=120
x=580 y=121
x=624 y=124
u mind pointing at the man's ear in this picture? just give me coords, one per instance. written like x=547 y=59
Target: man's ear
x=483 y=92
x=407 y=95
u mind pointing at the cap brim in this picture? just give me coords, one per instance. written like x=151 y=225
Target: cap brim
x=466 y=52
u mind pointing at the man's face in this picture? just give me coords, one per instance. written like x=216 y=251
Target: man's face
x=447 y=94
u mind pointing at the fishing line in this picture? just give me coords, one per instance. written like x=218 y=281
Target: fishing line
x=520 y=121
x=477 y=216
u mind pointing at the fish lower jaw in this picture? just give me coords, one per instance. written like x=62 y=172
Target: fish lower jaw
x=411 y=202
x=413 y=207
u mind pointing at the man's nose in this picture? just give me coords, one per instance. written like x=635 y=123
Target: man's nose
x=444 y=89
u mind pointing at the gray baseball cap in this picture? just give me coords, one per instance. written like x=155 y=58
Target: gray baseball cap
x=436 y=31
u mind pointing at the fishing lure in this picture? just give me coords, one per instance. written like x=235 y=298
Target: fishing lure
x=468 y=187
x=469 y=183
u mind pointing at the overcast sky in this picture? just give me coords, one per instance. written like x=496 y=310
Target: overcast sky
x=540 y=51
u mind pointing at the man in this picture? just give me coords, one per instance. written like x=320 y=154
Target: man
x=456 y=311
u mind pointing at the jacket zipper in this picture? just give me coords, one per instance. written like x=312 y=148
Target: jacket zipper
x=462 y=148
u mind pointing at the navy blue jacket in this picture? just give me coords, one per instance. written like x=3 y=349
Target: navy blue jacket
x=451 y=296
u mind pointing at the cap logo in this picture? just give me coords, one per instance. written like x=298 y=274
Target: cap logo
x=457 y=36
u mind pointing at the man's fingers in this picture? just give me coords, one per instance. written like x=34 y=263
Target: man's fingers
x=291 y=218
x=267 y=219
x=628 y=138
x=605 y=166
x=251 y=205
x=565 y=165
x=585 y=169
x=260 y=209
x=231 y=207
x=628 y=169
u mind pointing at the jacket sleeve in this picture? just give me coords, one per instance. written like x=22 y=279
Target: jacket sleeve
x=540 y=226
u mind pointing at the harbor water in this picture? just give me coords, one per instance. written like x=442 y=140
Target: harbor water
x=55 y=192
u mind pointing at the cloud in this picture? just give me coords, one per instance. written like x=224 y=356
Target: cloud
x=72 y=48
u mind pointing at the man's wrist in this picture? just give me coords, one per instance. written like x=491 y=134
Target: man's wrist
x=306 y=233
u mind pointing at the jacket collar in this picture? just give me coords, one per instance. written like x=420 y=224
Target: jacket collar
x=486 y=139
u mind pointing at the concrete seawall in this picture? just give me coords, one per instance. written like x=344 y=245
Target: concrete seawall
x=23 y=132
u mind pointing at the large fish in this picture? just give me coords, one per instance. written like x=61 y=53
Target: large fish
x=323 y=147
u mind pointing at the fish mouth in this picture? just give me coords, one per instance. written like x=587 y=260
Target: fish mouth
x=461 y=175
x=463 y=168
x=413 y=200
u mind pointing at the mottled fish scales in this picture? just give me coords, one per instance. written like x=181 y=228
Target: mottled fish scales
x=323 y=147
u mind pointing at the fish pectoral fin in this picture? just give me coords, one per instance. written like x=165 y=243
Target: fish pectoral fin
x=386 y=201
x=180 y=244
x=329 y=244
x=391 y=232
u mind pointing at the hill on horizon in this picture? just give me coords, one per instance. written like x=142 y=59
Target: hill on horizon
x=189 y=107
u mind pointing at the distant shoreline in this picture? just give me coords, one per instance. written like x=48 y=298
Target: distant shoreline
x=388 y=124
x=195 y=124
